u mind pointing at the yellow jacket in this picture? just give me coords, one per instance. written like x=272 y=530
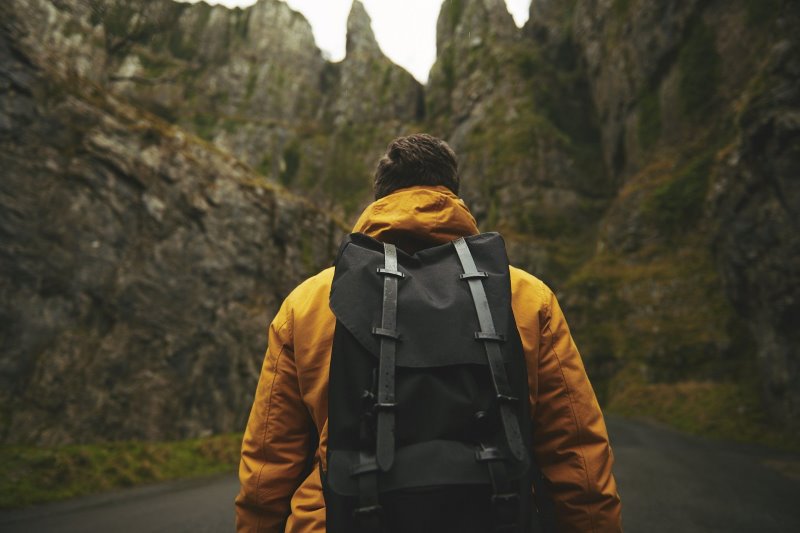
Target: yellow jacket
x=570 y=442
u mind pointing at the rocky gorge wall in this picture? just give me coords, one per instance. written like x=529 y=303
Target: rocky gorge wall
x=640 y=156
x=140 y=264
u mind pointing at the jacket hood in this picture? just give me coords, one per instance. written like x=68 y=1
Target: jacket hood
x=417 y=217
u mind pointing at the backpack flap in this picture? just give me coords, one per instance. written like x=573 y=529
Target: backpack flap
x=431 y=295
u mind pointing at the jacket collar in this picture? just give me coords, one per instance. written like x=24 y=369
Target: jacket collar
x=417 y=217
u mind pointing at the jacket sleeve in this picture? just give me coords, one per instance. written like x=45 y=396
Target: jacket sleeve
x=277 y=438
x=569 y=434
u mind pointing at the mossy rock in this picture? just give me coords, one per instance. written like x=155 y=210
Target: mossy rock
x=291 y=160
x=649 y=123
x=761 y=12
x=677 y=205
x=699 y=70
x=204 y=125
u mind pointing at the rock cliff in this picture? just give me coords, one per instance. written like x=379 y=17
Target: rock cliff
x=140 y=264
x=638 y=155
x=687 y=94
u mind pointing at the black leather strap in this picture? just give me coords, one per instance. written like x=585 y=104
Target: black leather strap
x=490 y=339
x=367 y=516
x=505 y=496
x=386 y=366
x=368 y=513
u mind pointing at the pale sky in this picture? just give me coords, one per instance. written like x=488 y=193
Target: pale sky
x=404 y=29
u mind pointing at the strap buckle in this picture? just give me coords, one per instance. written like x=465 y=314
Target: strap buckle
x=388 y=333
x=489 y=454
x=364 y=468
x=386 y=272
x=486 y=336
x=505 y=399
x=466 y=276
x=505 y=498
x=369 y=510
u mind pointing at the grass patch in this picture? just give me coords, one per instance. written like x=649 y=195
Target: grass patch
x=662 y=311
x=762 y=11
x=30 y=475
x=649 y=127
x=717 y=409
x=678 y=204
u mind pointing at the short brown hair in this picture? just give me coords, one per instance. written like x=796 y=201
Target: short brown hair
x=418 y=159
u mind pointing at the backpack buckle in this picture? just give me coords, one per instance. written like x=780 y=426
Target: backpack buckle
x=505 y=498
x=388 y=333
x=489 y=454
x=473 y=275
x=505 y=398
x=369 y=510
x=493 y=337
x=386 y=272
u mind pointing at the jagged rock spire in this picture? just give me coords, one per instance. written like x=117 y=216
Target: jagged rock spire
x=360 y=37
x=473 y=18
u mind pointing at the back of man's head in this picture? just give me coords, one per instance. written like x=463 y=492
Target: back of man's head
x=418 y=159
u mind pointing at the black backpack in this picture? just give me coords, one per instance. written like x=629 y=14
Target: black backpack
x=428 y=417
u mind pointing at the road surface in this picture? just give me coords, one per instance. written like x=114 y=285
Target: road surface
x=669 y=483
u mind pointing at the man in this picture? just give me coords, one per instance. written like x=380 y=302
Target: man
x=416 y=207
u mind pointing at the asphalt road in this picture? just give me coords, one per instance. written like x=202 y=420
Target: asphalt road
x=669 y=482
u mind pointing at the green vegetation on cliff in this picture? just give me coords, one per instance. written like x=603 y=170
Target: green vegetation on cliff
x=699 y=66
x=676 y=205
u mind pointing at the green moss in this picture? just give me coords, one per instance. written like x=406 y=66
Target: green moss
x=181 y=47
x=242 y=22
x=31 y=475
x=387 y=79
x=117 y=19
x=291 y=159
x=699 y=70
x=203 y=11
x=649 y=127
x=762 y=11
x=677 y=204
x=185 y=45
x=265 y=166
x=455 y=10
x=230 y=124
x=346 y=176
x=661 y=310
x=448 y=69
x=154 y=66
x=252 y=79
x=204 y=125
x=307 y=255
x=528 y=62
x=621 y=7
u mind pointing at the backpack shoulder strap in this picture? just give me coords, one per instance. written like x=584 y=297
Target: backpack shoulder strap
x=490 y=339
x=386 y=363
